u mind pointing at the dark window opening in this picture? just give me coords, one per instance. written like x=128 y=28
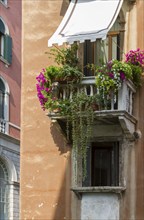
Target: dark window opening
x=100 y=52
x=88 y=57
x=105 y=164
x=102 y=164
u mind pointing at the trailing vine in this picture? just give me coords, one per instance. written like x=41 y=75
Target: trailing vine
x=80 y=117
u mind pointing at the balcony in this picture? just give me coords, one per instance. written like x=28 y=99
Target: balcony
x=116 y=110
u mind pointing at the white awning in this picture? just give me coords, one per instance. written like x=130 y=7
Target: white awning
x=86 y=20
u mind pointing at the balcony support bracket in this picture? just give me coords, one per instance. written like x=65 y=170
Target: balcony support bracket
x=128 y=127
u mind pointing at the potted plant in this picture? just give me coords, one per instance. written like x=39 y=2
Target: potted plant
x=67 y=65
x=110 y=76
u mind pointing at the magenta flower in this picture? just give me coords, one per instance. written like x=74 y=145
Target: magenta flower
x=122 y=76
x=111 y=75
x=42 y=88
x=135 y=57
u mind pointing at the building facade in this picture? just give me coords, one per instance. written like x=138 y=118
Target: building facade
x=53 y=188
x=10 y=92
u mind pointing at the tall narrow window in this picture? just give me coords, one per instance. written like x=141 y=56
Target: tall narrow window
x=2 y=32
x=4 y=106
x=4 y=192
x=2 y=95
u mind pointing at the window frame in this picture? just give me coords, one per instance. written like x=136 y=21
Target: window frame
x=4 y=122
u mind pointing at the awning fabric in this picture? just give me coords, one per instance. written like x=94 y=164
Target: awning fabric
x=86 y=20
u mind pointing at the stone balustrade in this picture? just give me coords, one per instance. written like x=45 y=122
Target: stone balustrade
x=123 y=101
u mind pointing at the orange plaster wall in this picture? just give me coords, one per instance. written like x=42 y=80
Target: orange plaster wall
x=45 y=156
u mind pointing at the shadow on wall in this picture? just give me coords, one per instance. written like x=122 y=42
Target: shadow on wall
x=62 y=207
x=59 y=137
x=64 y=7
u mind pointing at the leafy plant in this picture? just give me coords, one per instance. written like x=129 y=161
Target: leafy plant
x=67 y=65
x=80 y=117
x=110 y=76
x=66 y=56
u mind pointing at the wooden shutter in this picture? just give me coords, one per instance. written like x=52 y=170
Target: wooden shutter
x=8 y=48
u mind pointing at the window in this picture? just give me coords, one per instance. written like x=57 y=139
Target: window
x=2 y=94
x=4 y=106
x=4 y=1
x=103 y=165
x=5 y=43
x=103 y=50
x=4 y=192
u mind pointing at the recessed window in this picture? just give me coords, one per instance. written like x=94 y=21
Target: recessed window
x=103 y=164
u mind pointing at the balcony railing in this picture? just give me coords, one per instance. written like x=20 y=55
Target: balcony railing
x=123 y=101
x=2 y=125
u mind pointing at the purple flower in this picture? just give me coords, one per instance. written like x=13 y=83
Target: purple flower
x=136 y=57
x=111 y=75
x=122 y=76
x=41 y=86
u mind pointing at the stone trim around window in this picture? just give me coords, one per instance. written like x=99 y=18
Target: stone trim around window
x=102 y=189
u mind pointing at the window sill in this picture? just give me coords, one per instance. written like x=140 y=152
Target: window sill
x=102 y=189
x=4 y=61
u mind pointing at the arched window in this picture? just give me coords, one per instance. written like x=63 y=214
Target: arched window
x=4 y=106
x=3 y=2
x=5 y=43
x=4 y=192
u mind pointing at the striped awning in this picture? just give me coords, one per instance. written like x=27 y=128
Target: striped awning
x=86 y=20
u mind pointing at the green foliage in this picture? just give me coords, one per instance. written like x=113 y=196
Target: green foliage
x=53 y=72
x=80 y=117
x=67 y=65
x=66 y=56
x=136 y=74
x=110 y=76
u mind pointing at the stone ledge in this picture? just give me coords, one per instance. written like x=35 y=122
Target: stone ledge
x=95 y=189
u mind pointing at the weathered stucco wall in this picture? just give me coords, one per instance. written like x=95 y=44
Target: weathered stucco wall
x=45 y=156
